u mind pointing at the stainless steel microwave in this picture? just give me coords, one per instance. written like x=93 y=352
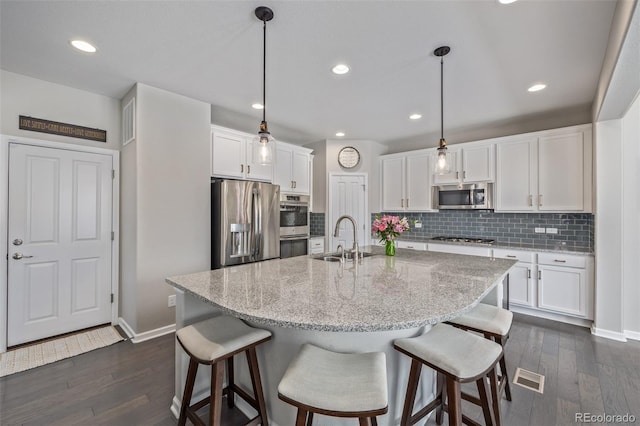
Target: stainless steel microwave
x=463 y=196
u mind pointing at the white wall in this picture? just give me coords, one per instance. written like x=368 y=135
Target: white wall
x=22 y=95
x=171 y=218
x=319 y=188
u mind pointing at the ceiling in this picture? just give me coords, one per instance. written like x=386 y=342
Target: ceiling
x=211 y=51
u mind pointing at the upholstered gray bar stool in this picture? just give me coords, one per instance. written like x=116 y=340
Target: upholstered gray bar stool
x=494 y=323
x=458 y=357
x=336 y=384
x=211 y=342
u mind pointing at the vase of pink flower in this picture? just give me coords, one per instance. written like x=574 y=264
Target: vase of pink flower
x=387 y=228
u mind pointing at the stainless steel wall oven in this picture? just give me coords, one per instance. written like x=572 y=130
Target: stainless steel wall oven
x=294 y=225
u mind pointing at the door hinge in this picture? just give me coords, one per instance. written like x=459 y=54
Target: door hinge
x=113 y=235
x=111 y=297
x=113 y=174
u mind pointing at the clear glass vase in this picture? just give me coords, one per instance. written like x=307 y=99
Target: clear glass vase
x=389 y=248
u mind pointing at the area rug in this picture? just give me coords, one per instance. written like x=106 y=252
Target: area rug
x=32 y=356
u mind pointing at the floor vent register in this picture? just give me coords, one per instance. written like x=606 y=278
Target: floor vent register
x=529 y=380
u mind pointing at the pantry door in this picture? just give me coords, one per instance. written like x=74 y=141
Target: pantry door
x=59 y=241
x=348 y=195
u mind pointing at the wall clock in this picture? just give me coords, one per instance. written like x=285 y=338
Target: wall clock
x=348 y=157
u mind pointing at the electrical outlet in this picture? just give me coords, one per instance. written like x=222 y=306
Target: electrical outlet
x=552 y=230
x=418 y=225
x=540 y=230
x=172 y=300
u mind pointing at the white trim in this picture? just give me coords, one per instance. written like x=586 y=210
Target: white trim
x=608 y=334
x=4 y=195
x=580 y=322
x=147 y=335
x=633 y=335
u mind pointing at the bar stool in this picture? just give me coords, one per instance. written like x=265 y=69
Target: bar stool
x=494 y=323
x=211 y=342
x=458 y=357
x=336 y=384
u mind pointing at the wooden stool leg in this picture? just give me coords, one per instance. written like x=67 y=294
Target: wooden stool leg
x=309 y=419
x=252 y=358
x=301 y=417
x=188 y=391
x=495 y=395
x=485 y=400
x=454 y=402
x=215 y=406
x=230 y=382
x=412 y=388
x=364 y=421
x=503 y=370
x=440 y=393
x=374 y=421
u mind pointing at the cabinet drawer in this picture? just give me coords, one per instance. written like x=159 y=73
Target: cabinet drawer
x=316 y=245
x=521 y=256
x=562 y=260
x=411 y=245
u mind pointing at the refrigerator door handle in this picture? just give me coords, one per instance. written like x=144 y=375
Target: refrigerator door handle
x=257 y=224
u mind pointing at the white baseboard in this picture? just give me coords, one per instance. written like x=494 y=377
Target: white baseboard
x=551 y=316
x=633 y=335
x=241 y=404
x=147 y=335
x=608 y=334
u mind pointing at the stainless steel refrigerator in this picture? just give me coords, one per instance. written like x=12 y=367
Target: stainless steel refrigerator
x=245 y=222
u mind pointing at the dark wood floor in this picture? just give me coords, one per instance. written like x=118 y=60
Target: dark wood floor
x=126 y=384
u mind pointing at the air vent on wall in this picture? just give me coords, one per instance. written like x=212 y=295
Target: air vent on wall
x=129 y=122
x=529 y=379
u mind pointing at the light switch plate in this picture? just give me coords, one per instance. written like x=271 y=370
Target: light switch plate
x=540 y=230
x=552 y=230
x=418 y=225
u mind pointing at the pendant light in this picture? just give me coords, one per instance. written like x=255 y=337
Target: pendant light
x=263 y=142
x=443 y=162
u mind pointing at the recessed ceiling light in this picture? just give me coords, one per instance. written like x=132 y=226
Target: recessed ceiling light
x=340 y=134
x=83 y=45
x=340 y=69
x=415 y=116
x=257 y=106
x=537 y=87
x=507 y=1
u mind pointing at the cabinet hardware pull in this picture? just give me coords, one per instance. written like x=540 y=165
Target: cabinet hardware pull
x=248 y=168
x=539 y=275
x=530 y=200
x=510 y=255
x=295 y=183
x=410 y=247
x=407 y=203
x=528 y=273
x=241 y=168
x=540 y=199
x=464 y=174
x=291 y=184
x=457 y=175
x=402 y=202
x=559 y=261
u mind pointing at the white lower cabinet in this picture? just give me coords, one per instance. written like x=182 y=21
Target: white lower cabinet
x=316 y=245
x=551 y=282
x=460 y=249
x=411 y=245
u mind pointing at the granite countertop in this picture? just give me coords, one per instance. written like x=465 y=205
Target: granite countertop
x=380 y=293
x=551 y=246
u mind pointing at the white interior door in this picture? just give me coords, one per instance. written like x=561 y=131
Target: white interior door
x=348 y=196
x=59 y=240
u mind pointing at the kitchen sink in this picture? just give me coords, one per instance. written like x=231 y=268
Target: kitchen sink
x=335 y=256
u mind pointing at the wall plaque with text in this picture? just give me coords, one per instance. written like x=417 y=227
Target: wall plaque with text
x=62 y=129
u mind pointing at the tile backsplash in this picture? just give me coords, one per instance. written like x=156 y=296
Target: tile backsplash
x=575 y=230
x=316 y=223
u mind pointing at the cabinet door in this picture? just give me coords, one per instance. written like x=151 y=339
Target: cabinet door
x=516 y=175
x=300 y=173
x=418 y=183
x=562 y=290
x=456 y=165
x=282 y=170
x=227 y=155
x=561 y=173
x=393 y=178
x=254 y=170
x=478 y=164
x=521 y=285
x=460 y=249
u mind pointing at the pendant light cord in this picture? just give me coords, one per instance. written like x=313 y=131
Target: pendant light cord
x=264 y=70
x=441 y=97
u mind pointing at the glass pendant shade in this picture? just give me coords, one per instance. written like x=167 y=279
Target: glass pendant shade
x=443 y=162
x=263 y=144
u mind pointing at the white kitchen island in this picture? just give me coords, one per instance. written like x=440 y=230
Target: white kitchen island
x=346 y=307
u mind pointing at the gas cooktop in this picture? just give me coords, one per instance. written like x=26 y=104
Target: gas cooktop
x=485 y=241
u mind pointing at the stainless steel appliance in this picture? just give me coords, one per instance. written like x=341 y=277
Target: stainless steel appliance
x=294 y=225
x=244 y=222
x=468 y=240
x=463 y=196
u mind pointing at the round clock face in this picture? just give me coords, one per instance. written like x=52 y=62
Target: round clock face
x=348 y=157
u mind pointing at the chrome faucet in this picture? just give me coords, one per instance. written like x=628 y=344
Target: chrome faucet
x=336 y=233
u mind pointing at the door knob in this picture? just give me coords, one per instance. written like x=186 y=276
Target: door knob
x=17 y=242
x=18 y=256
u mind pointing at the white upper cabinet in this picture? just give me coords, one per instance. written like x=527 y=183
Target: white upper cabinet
x=405 y=181
x=472 y=162
x=292 y=170
x=550 y=171
x=231 y=156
